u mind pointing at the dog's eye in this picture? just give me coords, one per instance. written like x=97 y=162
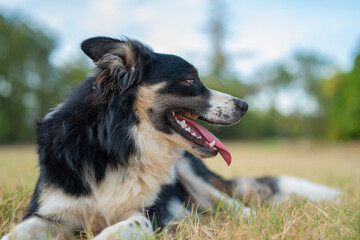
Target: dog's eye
x=190 y=81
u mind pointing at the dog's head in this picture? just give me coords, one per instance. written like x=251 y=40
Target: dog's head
x=169 y=94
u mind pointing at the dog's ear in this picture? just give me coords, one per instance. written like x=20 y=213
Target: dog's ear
x=95 y=48
x=121 y=63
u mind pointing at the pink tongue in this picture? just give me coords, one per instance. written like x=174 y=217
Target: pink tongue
x=210 y=137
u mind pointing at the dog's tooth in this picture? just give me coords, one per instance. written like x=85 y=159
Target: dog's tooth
x=177 y=120
x=215 y=148
x=212 y=144
x=194 y=134
x=199 y=137
x=183 y=124
x=188 y=129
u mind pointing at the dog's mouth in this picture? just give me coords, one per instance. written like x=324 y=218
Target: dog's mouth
x=198 y=135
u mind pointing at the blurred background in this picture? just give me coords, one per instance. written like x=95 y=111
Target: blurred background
x=296 y=63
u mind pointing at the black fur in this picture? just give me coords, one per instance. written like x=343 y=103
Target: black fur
x=95 y=48
x=198 y=167
x=34 y=204
x=159 y=212
x=272 y=182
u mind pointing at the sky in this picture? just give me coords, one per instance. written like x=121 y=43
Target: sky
x=264 y=31
x=268 y=30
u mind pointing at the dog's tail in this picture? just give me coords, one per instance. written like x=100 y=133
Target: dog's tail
x=283 y=186
x=288 y=185
x=279 y=188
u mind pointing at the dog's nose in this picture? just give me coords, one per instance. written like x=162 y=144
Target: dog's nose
x=242 y=105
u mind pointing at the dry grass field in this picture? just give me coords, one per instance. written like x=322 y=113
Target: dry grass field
x=333 y=164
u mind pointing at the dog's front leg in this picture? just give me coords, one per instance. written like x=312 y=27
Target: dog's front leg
x=39 y=229
x=135 y=227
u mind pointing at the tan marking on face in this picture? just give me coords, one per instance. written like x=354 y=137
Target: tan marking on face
x=148 y=98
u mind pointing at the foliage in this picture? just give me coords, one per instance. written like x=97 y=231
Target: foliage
x=302 y=72
x=301 y=75
x=29 y=83
x=343 y=96
x=24 y=66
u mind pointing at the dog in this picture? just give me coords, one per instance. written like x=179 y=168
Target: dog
x=122 y=154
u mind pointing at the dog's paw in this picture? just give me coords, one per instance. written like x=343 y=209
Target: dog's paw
x=133 y=228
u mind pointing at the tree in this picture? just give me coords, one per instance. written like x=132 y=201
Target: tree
x=343 y=108
x=217 y=33
x=24 y=69
x=29 y=83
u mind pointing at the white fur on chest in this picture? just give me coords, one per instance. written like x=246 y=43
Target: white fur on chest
x=124 y=191
x=136 y=186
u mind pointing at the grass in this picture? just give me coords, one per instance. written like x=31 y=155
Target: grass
x=336 y=165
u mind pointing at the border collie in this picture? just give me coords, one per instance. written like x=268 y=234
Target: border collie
x=121 y=155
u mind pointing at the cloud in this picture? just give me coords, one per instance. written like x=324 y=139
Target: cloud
x=14 y=3
x=168 y=27
x=101 y=17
